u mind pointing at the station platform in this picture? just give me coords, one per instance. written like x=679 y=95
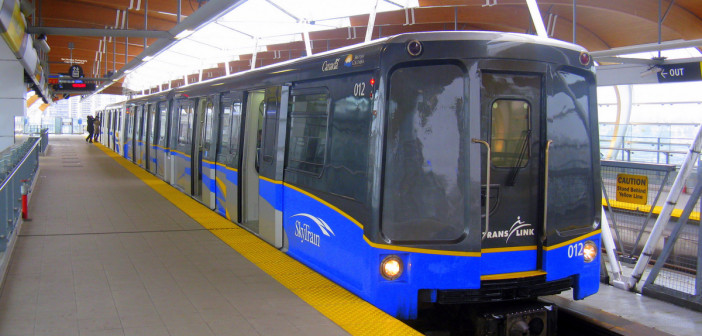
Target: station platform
x=112 y=250
x=105 y=253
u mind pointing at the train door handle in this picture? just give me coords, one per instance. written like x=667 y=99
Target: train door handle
x=487 y=183
x=548 y=146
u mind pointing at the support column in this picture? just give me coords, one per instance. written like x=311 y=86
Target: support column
x=12 y=91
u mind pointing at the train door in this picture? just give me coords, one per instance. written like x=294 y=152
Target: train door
x=227 y=174
x=511 y=115
x=107 y=123
x=162 y=139
x=151 y=162
x=138 y=130
x=262 y=166
x=143 y=130
x=118 y=130
x=250 y=159
x=204 y=153
x=181 y=154
x=129 y=121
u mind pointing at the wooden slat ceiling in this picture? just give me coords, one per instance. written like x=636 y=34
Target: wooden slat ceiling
x=601 y=25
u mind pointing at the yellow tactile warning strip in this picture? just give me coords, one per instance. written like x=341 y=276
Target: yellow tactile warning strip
x=356 y=316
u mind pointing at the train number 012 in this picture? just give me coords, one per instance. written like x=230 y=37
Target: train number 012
x=359 y=89
x=575 y=250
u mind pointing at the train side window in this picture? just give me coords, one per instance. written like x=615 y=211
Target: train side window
x=152 y=123
x=510 y=133
x=139 y=128
x=163 y=110
x=236 y=130
x=425 y=155
x=226 y=128
x=186 y=116
x=209 y=113
x=128 y=122
x=307 y=140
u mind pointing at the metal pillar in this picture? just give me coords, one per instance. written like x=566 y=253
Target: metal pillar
x=536 y=18
x=146 y=19
x=668 y=208
x=126 y=39
x=608 y=242
x=371 y=22
x=255 y=51
x=575 y=11
x=306 y=36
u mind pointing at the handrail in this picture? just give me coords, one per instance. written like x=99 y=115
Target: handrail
x=487 y=185
x=543 y=233
x=17 y=166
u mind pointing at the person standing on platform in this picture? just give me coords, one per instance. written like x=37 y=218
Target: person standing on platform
x=96 y=126
x=91 y=129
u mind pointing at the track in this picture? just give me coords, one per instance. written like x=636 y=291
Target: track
x=573 y=319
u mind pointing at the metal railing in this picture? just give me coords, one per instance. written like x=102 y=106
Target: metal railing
x=631 y=220
x=645 y=202
x=18 y=167
x=54 y=125
x=646 y=142
x=677 y=273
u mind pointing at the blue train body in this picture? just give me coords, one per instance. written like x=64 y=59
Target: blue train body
x=385 y=153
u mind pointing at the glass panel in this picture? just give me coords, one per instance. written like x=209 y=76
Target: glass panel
x=226 y=128
x=510 y=133
x=236 y=130
x=209 y=111
x=570 y=155
x=164 y=121
x=184 y=127
x=152 y=127
x=308 y=132
x=425 y=155
x=346 y=171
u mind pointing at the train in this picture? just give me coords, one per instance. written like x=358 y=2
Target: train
x=418 y=170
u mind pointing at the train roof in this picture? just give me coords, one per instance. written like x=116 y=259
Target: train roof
x=477 y=36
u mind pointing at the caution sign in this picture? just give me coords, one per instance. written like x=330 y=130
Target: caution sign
x=632 y=189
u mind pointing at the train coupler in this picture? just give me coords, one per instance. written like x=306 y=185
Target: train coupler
x=518 y=319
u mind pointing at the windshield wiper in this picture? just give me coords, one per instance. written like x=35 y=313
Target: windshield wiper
x=518 y=165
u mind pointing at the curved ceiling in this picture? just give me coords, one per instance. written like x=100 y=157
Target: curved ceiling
x=599 y=25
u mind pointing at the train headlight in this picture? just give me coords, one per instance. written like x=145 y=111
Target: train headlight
x=590 y=251
x=391 y=267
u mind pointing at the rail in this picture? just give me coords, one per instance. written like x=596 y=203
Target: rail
x=639 y=200
x=18 y=167
x=646 y=142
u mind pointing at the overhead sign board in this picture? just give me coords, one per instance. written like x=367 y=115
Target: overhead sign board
x=74 y=87
x=632 y=189
x=682 y=72
x=75 y=71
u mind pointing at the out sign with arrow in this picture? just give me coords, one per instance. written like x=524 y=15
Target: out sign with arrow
x=682 y=72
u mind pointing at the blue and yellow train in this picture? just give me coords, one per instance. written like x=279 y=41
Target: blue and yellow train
x=416 y=170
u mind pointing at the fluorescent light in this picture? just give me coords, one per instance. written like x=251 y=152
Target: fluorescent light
x=147 y=58
x=183 y=34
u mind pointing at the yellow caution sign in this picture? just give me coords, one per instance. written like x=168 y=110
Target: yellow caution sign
x=632 y=189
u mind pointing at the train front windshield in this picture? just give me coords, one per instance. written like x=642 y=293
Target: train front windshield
x=423 y=197
x=427 y=184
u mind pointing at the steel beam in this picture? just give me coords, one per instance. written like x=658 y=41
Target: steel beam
x=677 y=44
x=213 y=10
x=66 y=31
